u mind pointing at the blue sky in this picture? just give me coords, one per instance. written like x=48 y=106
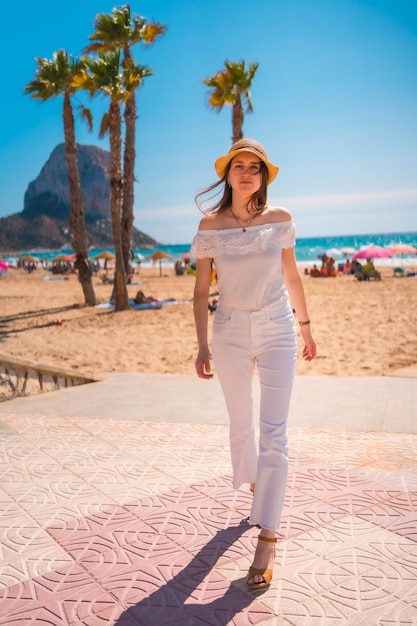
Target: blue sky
x=334 y=98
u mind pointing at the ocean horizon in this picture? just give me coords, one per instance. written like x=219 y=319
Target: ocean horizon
x=307 y=249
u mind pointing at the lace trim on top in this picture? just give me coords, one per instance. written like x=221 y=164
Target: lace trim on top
x=211 y=243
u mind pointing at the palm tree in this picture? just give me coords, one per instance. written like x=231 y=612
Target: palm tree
x=103 y=75
x=231 y=86
x=55 y=78
x=121 y=30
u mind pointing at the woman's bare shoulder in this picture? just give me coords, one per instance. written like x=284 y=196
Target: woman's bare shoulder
x=277 y=214
x=209 y=222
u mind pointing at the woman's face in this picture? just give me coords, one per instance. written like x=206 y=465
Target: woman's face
x=245 y=175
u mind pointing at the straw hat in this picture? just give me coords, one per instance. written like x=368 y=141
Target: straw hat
x=246 y=145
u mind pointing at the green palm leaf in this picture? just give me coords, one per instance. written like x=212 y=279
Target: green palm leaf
x=230 y=87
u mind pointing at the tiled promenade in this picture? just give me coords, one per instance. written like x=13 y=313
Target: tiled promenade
x=116 y=507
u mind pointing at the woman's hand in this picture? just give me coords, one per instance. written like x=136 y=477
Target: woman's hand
x=202 y=363
x=310 y=348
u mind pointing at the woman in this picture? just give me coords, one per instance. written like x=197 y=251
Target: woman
x=252 y=245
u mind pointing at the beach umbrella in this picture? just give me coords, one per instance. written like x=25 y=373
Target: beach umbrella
x=63 y=258
x=158 y=255
x=106 y=255
x=372 y=252
x=330 y=252
x=347 y=250
x=28 y=258
x=403 y=248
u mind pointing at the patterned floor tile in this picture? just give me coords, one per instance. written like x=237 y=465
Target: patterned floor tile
x=153 y=503
x=158 y=535
x=176 y=516
x=213 y=602
x=27 y=552
x=211 y=545
x=65 y=596
x=405 y=524
x=50 y=516
x=129 y=576
x=114 y=615
x=356 y=545
x=297 y=520
x=395 y=578
x=12 y=515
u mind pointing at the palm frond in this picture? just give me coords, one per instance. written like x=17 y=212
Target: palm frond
x=55 y=76
x=216 y=101
x=132 y=24
x=230 y=86
x=104 y=75
x=107 y=33
x=222 y=85
x=121 y=29
x=86 y=115
x=151 y=31
x=105 y=125
x=249 y=107
x=83 y=80
x=95 y=47
x=39 y=90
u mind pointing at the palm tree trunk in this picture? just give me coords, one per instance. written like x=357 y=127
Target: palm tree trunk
x=237 y=119
x=79 y=238
x=128 y=181
x=116 y=186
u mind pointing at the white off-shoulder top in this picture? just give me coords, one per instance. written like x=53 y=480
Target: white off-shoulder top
x=248 y=263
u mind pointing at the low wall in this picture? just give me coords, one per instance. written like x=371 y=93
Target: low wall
x=20 y=377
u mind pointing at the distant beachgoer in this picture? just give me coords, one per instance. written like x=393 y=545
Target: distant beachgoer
x=369 y=271
x=140 y=298
x=331 y=266
x=179 y=267
x=252 y=245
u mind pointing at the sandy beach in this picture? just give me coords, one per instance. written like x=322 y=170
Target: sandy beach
x=361 y=328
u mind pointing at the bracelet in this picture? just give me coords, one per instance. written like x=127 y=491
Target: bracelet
x=305 y=323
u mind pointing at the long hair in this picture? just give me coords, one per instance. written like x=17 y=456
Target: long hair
x=256 y=202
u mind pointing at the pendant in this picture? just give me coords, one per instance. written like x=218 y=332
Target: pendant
x=243 y=230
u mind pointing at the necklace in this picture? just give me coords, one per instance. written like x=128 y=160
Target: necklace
x=246 y=222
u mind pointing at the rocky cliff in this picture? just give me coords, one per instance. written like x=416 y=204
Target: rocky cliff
x=43 y=223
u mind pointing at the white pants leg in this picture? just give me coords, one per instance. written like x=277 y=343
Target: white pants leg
x=268 y=338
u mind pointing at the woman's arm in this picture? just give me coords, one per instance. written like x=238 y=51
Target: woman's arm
x=201 y=296
x=294 y=284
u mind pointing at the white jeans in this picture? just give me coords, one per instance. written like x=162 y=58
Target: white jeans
x=267 y=338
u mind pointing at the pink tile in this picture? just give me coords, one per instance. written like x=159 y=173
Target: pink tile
x=66 y=596
x=212 y=546
x=115 y=615
x=215 y=602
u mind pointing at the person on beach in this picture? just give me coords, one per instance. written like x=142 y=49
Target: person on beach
x=140 y=298
x=252 y=245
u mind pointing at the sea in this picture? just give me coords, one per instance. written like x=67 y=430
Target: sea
x=308 y=249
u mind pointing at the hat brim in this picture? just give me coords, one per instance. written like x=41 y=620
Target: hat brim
x=222 y=162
